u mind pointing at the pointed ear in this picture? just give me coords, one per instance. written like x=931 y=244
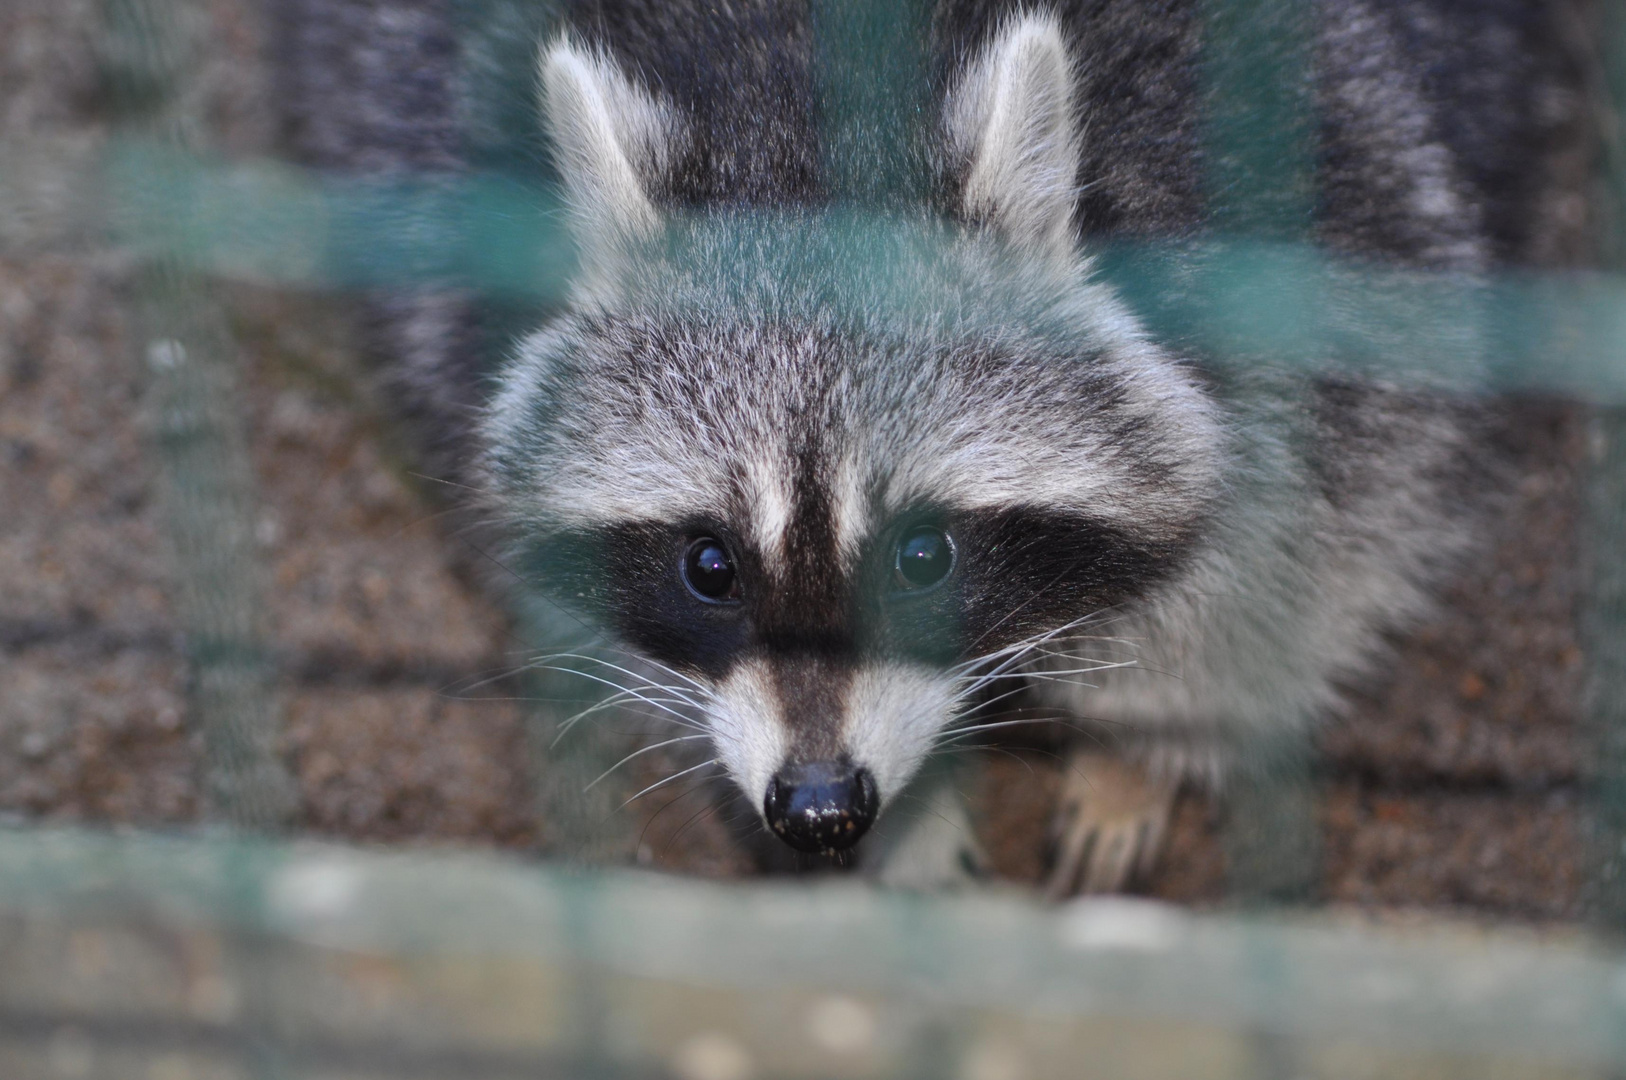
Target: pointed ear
x=1010 y=125
x=612 y=142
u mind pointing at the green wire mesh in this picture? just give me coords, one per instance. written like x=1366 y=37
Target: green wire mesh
x=203 y=957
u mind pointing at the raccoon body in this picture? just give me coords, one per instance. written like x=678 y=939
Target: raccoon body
x=852 y=471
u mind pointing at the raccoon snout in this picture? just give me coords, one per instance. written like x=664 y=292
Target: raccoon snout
x=821 y=807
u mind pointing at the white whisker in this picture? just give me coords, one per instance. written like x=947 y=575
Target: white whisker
x=674 y=672
x=955 y=735
x=614 y=701
x=639 y=753
x=668 y=780
x=623 y=689
x=645 y=679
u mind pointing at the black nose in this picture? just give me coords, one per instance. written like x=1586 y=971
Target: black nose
x=823 y=807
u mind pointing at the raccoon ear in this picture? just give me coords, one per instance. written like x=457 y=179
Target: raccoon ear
x=1011 y=127
x=611 y=142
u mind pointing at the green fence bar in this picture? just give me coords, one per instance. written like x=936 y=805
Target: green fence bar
x=1259 y=143
x=208 y=479
x=467 y=965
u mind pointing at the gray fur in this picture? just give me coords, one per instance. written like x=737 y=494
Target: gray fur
x=741 y=359
x=685 y=394
x=372 y=89
x=722 y=368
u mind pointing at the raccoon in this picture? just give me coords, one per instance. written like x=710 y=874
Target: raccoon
x=857 y=476
x=843 y=478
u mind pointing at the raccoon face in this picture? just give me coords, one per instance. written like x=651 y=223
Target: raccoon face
x=830 y=515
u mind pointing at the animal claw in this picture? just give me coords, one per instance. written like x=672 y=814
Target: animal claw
x=1110 y=826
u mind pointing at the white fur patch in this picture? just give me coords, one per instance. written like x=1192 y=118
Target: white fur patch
x=773 y=501
x=750 y=737
x=849 y=505
x=1012 y=117
x=609 y=137
x=894 y=714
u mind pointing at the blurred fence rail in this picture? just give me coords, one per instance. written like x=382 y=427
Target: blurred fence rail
x=1561 y=332
x=125 y=951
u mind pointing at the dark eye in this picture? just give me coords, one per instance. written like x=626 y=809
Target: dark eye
x=925 y=557
x=708 y=570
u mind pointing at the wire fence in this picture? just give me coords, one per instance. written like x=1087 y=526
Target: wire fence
x=245 y=953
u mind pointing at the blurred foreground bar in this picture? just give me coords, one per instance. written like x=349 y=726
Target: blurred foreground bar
x=194 y=394
x=1603 y=617
x=146 y=956
x=270 y=223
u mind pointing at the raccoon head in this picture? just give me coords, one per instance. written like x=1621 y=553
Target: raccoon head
x=828 y=472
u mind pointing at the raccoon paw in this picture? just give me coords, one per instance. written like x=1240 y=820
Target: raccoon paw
x=1110 y=826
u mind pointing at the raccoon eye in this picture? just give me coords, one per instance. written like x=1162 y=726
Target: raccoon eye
x=925 y=557
x=708 y=571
